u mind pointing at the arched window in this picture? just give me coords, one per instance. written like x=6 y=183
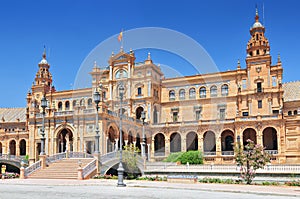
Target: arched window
x=74 y=103
x=295 y=112
x=213 y=91
x=139 y=91
x=202 y=92
x=121 y=74
x=224 y=90
x=172 y=95
x=90 y=102
x=192 y=93
x=59 y=106
x=67 y=105
x=182 y=94
x=290 y=113
x=82 y=102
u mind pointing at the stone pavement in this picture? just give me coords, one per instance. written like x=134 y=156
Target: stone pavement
x=230 y=188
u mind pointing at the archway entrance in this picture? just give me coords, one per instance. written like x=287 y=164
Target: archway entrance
x=12 y=147
x=22 y=147
x=175 y=143
x=270 y=139
x=111 y=140
x=159 y=145
x=227 y=142
x=191 y=141
x=209 y=143
x=249 y=134
x=65 y=141
x=138 y=112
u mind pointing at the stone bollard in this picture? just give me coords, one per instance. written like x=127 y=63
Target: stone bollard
x=22 y=173
x=79 y=173
x=43 y=159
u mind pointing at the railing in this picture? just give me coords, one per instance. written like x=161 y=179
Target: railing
x=108 y=156
x=32 y=168
x=272 y=152
x=11 y=157
x=92 y=110
x=73 y=154
x=159 y=153
x=209 y=153
x=61 y=113
x=88 y=169
x=55 y=157
x=269 y=117
x=227 y=152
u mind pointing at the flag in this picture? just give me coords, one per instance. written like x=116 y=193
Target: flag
x=120 y=37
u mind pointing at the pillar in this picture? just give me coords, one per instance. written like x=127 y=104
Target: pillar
x=152 y=148
x=116 y=145
x=17 y=147
x=200 y=144
x=183 y=144
x=149 y=151
x=126 y=142
x=218 y=159
x=167 y=146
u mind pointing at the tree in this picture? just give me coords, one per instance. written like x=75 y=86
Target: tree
x=252 y=158
x=131 y=160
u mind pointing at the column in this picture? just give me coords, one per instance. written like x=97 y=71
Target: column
x=149 y=151
x=110 y=72
x=17 y=147
x=116 y=145
x=129 y=69
x=110 y=91
x=126 y=142
x=167 y=146
x=200 y=144
x=183 y=144
x=152 y=148
x=218 y=146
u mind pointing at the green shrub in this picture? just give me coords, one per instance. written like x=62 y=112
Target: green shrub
x=191 y=157
x=293 y=183
x=173 y=157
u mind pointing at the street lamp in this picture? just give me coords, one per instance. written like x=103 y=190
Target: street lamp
x=44 y=106
x=143 y=116
x=121 y=169
x=97 y=99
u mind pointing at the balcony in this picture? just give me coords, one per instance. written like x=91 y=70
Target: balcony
x=228 y=153
x=63 y=113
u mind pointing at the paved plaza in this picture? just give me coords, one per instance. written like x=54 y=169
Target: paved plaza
x=37 y=189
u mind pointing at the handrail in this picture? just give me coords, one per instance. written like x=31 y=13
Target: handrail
x=89 y=168
x=32 y=168
x=73 y=154
x=11 y=157
x=55 y=157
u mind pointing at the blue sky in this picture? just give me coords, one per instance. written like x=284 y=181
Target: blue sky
x=71 y=29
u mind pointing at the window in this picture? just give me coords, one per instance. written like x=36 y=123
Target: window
x=192 y=93
x=290 y=113
x=182 y=94
x=244 y=84
x=198 y=115
x=202 y=92
x=74 y=103
x=139 y=91
x=259 y=103
x=213 y=91
x=82 y=102
x=274 y=81
x=59 y=106
x=259 y=88
x=121 y=74
x=172 y=95
x=224 y=90
x=276 y=112
x=245 y=114
x=222 y=113
x=90 y=102
x=104 y=94
x=295 y=112
x=67 y=105
x=175 y=116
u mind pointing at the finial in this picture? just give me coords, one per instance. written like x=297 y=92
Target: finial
x=44 y=53
x=112 y=53
x=239 y=64
x=95 y=64
x=149 y=56
x=278 y=58
x=121 y=49
x=256 y=14
x=131 y=51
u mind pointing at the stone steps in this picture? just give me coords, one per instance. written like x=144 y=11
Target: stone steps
x=63 y=169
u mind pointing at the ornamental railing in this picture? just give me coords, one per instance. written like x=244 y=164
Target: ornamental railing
x=73 y=154
x=12 y=157
x=55 y=158
x=32 y=168
x=108 y=156
x=89 y=168
x=227 y=152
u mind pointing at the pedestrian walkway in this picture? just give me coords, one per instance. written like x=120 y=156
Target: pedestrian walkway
x=233 y=188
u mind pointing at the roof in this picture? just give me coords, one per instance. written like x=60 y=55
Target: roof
x=291 y=91
x=12 y=114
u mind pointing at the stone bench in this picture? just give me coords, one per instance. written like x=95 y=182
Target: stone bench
x=182 y=179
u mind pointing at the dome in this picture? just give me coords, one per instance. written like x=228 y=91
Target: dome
x=257 y=24
x=43 y=61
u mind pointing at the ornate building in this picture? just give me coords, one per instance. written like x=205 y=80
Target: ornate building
x=207 y=112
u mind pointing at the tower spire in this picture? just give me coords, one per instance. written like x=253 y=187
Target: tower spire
x=44 y=53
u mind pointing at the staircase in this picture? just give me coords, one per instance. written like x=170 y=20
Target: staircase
x=62 y=169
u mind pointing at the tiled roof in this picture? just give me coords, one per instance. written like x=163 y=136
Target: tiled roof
x=291 y=91
x=12 y=114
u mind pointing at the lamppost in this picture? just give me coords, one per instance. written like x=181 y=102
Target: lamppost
x=96 y=97
x=143 y=116
x=44 y=106
x=121 y=169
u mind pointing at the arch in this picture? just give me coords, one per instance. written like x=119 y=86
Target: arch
x=202 y=92
x=171 y=95
x=159 y=144
x=209 y=142
x=111 y=135
x=249 y=133
x=138 y=112
x=82 y=102
x=138 y=141
x=64 y=140
x=224 y=90
x=289 y=112
x=12 y=147
x=121 y=74
x=90 y=102
x=227 y=141
x=175 y=142
x=130 y=138
x=67 y=105
x=59 y=106
x=213 y=91
x=270 y=138
x=295 y=112
x=182 y=94
x=191 y=141
x=74 y=103
x=192 y=93
x=22 y=145
x=0 y=148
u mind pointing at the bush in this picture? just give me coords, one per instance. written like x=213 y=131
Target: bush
x=293 y=183
x=191 y=157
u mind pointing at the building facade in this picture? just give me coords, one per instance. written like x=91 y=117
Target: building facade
x=207 y=112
